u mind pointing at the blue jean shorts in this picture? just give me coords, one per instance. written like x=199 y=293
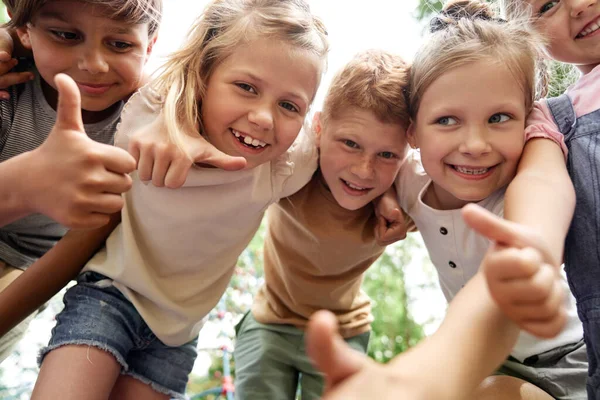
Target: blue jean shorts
x=98 y=314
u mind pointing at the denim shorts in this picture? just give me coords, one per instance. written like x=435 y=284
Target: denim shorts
x=98 y=314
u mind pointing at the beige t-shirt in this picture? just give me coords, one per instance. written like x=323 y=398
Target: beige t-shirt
x=175 y=250
x=315 y=255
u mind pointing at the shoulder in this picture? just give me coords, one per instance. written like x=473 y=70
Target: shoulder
x=142 y=108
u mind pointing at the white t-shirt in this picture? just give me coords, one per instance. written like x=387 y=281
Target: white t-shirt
x=175 y=250
x=457 y=251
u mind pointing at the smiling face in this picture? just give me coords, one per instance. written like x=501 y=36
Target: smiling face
x=359 y=156
x=105 y=57
x=470 y=132
x=572 y=28
x=257 y=98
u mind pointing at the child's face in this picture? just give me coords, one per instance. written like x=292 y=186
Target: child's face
x=470 y=132
x=359 y=156
x=257 y=98
x=104 y=57
x=572 y=28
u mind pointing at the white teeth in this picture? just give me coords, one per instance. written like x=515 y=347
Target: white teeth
x=590 y=29
x=249 y=140
x=354 y=186
x=471 y=171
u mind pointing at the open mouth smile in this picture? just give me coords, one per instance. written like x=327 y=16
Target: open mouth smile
x=353 y=189
x=248 y=141
x=474 y=173
x=589 y=29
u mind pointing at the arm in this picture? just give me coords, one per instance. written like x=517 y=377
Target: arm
x=541 y=196
x=50 y=274
x=443 y=366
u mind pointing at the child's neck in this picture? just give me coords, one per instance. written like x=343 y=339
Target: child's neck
x=585 y=69
x=441 y=201
x=88 y=117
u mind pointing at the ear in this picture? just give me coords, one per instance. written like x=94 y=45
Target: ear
x=151 y=44
x=23 y=33
x=411 y=135
x=317 y=127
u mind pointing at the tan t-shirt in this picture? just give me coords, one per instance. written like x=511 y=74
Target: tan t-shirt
x=315 y=254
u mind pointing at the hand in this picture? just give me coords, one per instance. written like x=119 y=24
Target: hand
x=7 y=63
x=71 y=178
x=165 y=164
x=391 y=224
x=352 y=375
x=8 y=78
x=525 y=287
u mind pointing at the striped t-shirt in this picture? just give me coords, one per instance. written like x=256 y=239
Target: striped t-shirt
x=26 y=120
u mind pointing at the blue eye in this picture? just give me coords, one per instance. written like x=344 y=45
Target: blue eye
x=498 y=118
x=289 y=106
x=547 y=7
x=447 y=121
x=120 y=46
x=387 y=155
x=246 y=87
x=350 y=144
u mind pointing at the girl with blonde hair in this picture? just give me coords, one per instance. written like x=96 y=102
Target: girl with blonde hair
x=244 y=80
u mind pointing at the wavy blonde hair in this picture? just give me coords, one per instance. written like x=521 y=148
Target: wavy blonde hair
x=467 y=31
x=374 y=80
x=216 y=34
x=130 y=11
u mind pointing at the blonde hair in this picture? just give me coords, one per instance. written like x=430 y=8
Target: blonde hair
x=467 y=31
x=130 y=11
x=221 y=28
x=374 y=80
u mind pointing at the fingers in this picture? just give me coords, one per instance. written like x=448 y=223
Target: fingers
x=14 y=78
x=512 y=263
x=211 y=156
x=5 y=56
x=493 y=227
x=549 y=328
x=329 y=352
x=116 y=159
x=68 y=112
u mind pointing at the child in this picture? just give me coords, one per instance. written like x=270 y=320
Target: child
x=245 y=79
x=103 y=46
x=545 y=206
x=472 y=85
x=320 y=240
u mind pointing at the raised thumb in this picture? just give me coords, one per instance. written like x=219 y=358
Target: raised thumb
x=68 y=111
x=330 y=354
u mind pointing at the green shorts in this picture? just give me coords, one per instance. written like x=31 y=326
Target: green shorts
x=561 y=372
x=271 y=361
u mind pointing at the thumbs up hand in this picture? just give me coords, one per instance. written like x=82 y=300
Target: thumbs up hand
x=71 y=178
x=161 y=161
x=525 y=287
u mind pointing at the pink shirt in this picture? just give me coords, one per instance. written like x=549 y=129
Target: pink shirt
x=585 y=99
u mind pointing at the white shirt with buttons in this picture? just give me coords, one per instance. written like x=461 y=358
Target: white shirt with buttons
x=457 y=251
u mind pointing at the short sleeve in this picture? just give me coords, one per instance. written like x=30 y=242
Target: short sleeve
x=7 y=113
x=143 y=107
x=295 y=168
x=410 y=181
x=540 y=124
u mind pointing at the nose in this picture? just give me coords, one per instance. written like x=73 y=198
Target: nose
x=579 y=7
x=475 y=142
x=262 y=117
x=93 y=61
x=363 y=168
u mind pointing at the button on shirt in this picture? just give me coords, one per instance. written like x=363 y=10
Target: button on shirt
x=457 y=251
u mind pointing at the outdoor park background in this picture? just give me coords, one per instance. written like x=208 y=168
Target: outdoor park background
x=407 y=302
